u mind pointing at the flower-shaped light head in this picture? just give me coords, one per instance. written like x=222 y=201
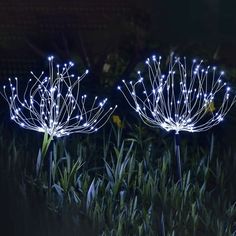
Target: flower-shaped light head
x=179 y=98
x=52 y=104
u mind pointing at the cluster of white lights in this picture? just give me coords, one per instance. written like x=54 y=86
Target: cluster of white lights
x=54 y=105
x=180 y=99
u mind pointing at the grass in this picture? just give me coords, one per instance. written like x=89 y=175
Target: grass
x=120 y=181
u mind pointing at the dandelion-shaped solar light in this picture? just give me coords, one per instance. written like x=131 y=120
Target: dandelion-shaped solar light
x=179 y=98
x=53 y=105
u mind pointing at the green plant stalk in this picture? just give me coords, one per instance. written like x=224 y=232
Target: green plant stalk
x=47 y=139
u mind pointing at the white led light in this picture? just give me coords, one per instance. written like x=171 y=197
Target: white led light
x=52 y=104
x=184 y=100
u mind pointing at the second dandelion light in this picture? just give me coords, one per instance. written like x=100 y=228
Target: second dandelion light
x=178 y=97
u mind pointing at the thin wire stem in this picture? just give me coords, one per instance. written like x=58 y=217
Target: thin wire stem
x=178 y=160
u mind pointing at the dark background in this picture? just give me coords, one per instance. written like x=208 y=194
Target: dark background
x=88 y=31
x=114 y=33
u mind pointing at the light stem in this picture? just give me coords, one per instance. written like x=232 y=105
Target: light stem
x=177 y=155
x=47 y=139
